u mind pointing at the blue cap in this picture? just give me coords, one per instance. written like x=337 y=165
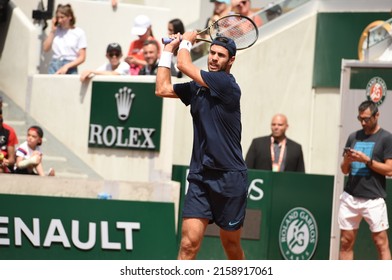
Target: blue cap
x=227 y=43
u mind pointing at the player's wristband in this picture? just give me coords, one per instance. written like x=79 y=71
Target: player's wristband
x=166 y=59
x=185 y=44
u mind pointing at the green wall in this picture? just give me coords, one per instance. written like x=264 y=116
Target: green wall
x=118 y=230
x=271 y=197
x=337 y=37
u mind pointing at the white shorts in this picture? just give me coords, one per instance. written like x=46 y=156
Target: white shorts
x=353 y=209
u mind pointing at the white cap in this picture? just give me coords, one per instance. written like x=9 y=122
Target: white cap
x=140 y=25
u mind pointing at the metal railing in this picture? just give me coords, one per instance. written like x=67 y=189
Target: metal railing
x=378 y=42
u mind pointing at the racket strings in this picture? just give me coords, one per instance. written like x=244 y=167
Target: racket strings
x=240 y=29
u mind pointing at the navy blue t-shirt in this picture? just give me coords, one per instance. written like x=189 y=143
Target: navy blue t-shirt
x=216 y=118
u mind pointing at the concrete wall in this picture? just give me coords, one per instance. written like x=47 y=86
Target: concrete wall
x=19 y=57
x=67 y=101
x=271 y=87
x=81 y=188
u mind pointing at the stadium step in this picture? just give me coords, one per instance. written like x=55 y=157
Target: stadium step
x=56 y=155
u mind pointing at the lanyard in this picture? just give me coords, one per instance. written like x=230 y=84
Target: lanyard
x=276 y=166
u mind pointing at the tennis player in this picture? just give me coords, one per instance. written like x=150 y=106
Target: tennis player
x=217 y=178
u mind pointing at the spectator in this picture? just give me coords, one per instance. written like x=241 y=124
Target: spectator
x=151 y=56
x=8 y=140
x=367 y=160
x=175 y=26
x=29 y=154
x=276 y=152
x=221 y=8
x=243 y=7
x=142 y=28
x=114 y=66
x=67 y=42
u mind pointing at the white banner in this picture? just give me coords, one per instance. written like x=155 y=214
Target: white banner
x=198 y=270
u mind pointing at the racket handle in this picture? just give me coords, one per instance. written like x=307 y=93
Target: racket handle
x=167 y=40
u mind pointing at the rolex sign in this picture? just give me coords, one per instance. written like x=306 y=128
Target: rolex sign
x=125 y=115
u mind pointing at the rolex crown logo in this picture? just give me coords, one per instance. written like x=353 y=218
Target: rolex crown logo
x=124 y=99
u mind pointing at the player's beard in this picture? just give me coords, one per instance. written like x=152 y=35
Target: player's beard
x=217 y=67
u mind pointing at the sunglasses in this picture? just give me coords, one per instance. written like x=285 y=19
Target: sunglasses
x=114 y=54
x=366 y=120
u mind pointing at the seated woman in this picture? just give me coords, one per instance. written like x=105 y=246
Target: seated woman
x=29 y=154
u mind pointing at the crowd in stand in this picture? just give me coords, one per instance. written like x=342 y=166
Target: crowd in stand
x=68 y=42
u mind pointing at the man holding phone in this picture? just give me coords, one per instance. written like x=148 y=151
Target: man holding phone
x=367 y=159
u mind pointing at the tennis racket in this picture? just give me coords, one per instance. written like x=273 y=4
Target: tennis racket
x=241 y=29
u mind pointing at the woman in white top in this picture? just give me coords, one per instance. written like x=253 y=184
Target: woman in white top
x=67 y=42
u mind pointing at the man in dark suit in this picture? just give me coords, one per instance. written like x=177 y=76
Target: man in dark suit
x=276 y=152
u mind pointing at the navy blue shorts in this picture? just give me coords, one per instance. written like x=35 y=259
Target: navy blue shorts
x=218 y=196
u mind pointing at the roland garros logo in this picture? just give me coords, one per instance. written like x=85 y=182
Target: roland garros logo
x=298 y=235
x=376 y=90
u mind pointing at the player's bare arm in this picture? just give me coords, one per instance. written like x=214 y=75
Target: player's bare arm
x=164 y=86
x=184 y=62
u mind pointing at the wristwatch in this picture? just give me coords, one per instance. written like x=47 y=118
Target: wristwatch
x=369 y=162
